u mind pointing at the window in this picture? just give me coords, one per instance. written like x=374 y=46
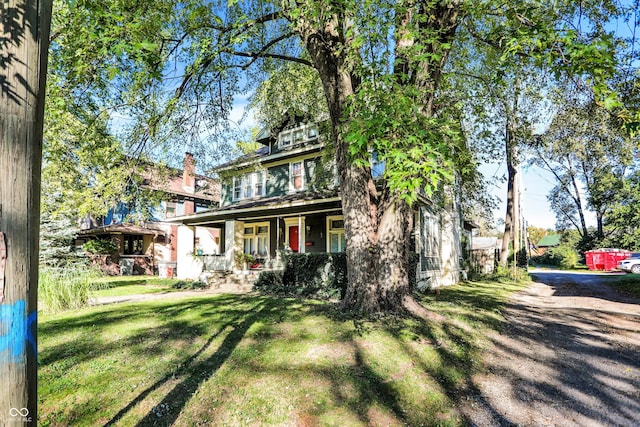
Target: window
x=170 y=210
x=237 y=188
x=285 y=138
x=297 y=177
x=256 y=240
x=430 y=239
x=249 y=186
x=336 y=241
x=297 y=135
x=259 y=184
x=133 y=244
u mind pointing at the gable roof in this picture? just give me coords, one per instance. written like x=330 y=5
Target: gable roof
x=549 y=240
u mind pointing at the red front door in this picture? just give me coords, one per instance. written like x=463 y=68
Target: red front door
x=293 y=238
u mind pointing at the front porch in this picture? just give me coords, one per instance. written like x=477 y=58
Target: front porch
x=251 y=241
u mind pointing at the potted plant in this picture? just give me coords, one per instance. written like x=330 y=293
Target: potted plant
x=244 y=260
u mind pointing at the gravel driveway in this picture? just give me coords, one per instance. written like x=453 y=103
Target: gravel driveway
x=570 y=357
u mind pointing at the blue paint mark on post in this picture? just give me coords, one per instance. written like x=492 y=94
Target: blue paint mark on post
x=32 y=324
x=16 y=332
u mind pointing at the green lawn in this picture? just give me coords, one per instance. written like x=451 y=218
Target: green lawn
x=130 y=285
x=628 y=284
x=255 y=360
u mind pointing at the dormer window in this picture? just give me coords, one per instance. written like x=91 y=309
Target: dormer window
x=285 y=138
x=297 y=135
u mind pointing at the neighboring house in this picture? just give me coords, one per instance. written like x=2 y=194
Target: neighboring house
x=485 y=251
x=285 y=197
x=547 y=242
x=151 y=246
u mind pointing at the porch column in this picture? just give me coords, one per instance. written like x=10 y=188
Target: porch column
x=233 y=241
x=188 y=266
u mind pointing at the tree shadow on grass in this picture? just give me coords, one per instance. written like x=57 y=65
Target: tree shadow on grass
x=197 y=372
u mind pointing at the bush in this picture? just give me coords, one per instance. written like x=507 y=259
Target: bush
x=100 y=246
x=503 y=273
x=322 y=276
x=190 y=284
x=563 y=256
x=66 y=288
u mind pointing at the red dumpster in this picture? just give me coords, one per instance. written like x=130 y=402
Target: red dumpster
x=605 y=258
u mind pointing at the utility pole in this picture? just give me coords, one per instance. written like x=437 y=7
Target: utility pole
x=24 y=42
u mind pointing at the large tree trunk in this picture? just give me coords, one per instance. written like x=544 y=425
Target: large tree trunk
x=511 y=216
x=378 y=224
x=578 y=201
x=23 y=62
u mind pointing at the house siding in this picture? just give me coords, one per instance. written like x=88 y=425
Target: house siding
x=278 y=180
x=226 y=193
x=316 y=237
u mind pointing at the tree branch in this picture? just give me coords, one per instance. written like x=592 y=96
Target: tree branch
x=256 y=55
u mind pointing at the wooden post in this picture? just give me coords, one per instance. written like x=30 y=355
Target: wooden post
x=24 y=34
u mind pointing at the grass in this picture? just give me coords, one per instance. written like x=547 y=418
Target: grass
x=628 y=284
x=256 y=360
x=131 y=285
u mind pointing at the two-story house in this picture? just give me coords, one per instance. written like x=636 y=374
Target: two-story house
x=285 y=197
x=150 y=246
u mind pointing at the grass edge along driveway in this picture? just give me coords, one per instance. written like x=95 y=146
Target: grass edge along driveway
x=260 y=360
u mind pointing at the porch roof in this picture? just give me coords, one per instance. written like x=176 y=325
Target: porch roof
x=119 y=229
x=290 y=204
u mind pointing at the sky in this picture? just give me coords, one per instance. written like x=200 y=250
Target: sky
x=537 y=183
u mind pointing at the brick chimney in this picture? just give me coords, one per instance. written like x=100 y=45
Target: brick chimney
x=189 y=181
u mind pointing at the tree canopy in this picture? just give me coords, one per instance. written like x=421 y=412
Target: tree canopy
x=173 y=68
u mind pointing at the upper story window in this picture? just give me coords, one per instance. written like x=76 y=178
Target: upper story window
x=170 y=210
x=237 y=188
x=249 y=186
x=297 y=135
x=297 y=176
x=258 y=184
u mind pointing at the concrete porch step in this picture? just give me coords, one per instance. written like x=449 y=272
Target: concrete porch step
x=231 y=282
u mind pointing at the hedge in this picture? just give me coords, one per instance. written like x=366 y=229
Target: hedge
x=317 y=275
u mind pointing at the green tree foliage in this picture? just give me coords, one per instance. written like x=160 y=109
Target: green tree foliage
x=100 y=246
x=623 y=221
x=589 y=153
x=57 y=247
x=176 y=66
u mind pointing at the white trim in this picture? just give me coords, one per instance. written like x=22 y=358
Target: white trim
x=249 y=181
x=273 y=159
x=297 y=221
x=291 y=132
x=292 y=188
x=239 y=212
x=255 y=236
x=329 y=232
